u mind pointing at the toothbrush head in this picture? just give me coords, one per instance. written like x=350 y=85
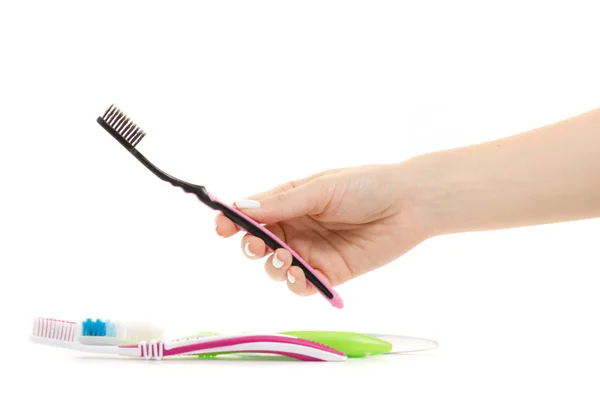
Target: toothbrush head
x=92 y=331
x=118 y=124
x=122 y=128
x=106 y=331
x=56 y=332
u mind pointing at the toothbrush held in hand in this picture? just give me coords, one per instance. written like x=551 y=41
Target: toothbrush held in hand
x=126 y=132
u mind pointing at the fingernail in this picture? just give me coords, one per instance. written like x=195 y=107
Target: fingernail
x=247 y=250
x=291 y=277
x=247 y=204
x=277 y=263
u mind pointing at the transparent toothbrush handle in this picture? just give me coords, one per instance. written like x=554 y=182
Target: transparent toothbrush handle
x=406 y=344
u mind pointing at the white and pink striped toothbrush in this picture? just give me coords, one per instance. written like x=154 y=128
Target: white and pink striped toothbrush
x=105 y=337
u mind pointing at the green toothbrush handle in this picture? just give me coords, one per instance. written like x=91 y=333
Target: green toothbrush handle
x=354 y=345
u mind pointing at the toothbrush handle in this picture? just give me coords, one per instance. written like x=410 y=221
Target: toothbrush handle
x=301 y=349
x=273 y=242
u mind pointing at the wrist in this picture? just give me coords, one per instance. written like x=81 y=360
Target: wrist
x=438 y=186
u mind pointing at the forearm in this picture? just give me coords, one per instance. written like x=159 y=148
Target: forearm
x=548 y=175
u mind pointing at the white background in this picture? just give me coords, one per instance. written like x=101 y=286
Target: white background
x=241 y=96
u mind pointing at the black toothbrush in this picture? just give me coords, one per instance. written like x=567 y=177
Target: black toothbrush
x=122 y=128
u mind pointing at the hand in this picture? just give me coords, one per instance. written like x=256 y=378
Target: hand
x=346 y=222
x=343 y=222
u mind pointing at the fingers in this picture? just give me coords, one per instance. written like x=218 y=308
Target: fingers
x=292 y=192
x=253 y=247
x=279 y=268
x=224 y=226
x=292 y=184
x=293 y=199
x=296 y=282
x=277 y=265
x=308 y=199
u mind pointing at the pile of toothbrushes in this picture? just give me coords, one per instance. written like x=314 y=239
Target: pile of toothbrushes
x=145 y=341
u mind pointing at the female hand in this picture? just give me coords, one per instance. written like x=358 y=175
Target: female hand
x=346 y=222
x=343 y=222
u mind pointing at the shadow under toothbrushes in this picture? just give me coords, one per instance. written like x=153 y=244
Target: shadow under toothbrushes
x=251 y=359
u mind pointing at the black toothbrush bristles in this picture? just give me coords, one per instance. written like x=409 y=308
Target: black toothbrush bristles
x=122 y=125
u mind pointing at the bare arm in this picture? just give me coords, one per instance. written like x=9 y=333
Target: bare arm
x=547 y=175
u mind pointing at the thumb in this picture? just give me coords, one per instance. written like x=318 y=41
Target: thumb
x=296 y=202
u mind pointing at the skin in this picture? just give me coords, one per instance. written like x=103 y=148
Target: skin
x=347 y=222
